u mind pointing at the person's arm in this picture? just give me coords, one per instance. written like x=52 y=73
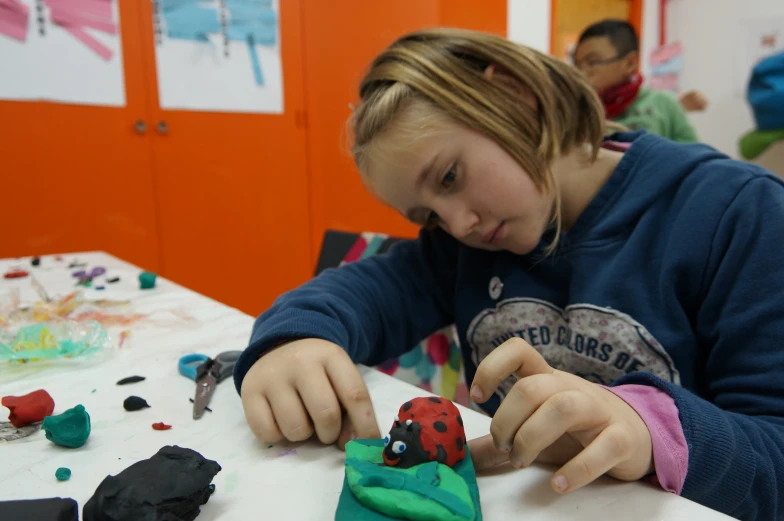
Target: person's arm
x=736 y=435
x=681 y=129
x=375 y=309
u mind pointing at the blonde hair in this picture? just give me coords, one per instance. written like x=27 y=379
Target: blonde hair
x=445 y=70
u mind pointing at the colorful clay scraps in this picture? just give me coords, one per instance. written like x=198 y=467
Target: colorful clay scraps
x=72 y=307
x=67 y=340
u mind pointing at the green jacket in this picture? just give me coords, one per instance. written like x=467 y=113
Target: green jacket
x=658 y=113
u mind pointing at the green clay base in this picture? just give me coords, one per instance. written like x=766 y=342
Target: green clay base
x=427 y=492
x=69 y=429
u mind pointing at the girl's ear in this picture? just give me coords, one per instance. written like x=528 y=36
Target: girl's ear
x=510 y=83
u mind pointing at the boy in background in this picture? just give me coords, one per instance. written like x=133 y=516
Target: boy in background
x=608 y=54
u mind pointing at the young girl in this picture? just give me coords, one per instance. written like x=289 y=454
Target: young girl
x=618 y=301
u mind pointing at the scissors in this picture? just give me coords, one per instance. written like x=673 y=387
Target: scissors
x=207 y=373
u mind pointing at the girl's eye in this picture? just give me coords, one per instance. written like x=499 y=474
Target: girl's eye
x=386 y=440
x=398 y=447
x=449 y=178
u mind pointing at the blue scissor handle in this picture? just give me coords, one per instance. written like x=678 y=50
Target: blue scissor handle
x=188 y=364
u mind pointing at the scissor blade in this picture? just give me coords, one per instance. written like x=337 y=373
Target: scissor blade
x=204 y=389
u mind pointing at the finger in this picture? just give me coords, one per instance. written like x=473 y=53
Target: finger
x=612 y=446
x=261 y=421
x=525 y=397
x=564 y=449
x=513 y=357
x=561 y=413
x=322 y=405
x=346 y=432
x=484 y=453
x=353 y=395
x=290 y=414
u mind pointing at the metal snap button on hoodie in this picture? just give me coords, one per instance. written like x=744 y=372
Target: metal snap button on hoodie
x=495 y=288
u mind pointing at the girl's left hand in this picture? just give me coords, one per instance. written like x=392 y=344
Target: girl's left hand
x=555 y=417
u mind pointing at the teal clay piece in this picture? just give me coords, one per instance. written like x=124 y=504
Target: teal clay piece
x=63 y=474
x=147 y=280
x=69 y=429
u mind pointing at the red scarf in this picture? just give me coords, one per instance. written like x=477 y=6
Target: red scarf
x=616 y=99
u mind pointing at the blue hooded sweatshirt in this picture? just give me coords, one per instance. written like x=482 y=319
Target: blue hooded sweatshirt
x=669 y=278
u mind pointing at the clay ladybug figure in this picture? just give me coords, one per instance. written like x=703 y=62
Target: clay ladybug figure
x=426 y=429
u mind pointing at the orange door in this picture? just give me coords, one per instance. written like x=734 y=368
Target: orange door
x=232 y=187
x=78 y=177
x=571 y=17
x=341 y=39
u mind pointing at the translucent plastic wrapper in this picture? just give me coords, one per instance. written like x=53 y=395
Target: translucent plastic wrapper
x=51 y=341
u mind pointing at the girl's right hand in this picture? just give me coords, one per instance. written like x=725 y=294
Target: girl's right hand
x=305 y=386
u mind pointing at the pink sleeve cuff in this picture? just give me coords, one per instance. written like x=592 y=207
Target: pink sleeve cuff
x=660 y=414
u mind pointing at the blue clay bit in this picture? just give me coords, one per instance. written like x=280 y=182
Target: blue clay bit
x=147 y=280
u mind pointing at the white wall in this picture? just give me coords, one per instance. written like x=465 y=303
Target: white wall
x=649 y=40
x=710 y=31
x=528 y=22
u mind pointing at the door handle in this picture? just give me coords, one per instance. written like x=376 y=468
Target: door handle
x=140 y=126
x=163 y=128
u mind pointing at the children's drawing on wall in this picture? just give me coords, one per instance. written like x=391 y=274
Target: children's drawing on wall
x=62 y=51
x=666 y=66
x=218 y=55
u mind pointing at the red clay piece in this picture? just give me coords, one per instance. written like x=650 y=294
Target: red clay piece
x=160 y=426
x=29 y=408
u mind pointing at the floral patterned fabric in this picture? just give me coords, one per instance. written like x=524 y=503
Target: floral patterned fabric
x=436 y=363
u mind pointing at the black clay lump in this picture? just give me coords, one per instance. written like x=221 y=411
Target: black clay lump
x=51 y=509
x=135 y=403
x=170 y=486
x=131 y=380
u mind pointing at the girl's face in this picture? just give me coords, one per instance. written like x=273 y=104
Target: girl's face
x=468 y=185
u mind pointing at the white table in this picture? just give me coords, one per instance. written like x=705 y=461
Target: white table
x=257 y=482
